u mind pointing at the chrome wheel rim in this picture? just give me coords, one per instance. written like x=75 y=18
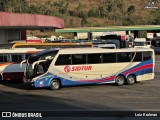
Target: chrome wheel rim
x=120 y=80
x=131 y=80
x=55 y=85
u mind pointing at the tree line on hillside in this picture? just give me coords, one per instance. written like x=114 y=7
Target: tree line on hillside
x=110 y=11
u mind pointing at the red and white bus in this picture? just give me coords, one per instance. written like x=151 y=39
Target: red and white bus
x=10 y=60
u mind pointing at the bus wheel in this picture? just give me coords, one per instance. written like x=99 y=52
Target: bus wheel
x=28 y=87
x=131 y=79
x=55 y=84
x=0 y=79
x=120 y=80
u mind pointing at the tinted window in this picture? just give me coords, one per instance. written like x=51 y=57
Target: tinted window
x=79 y=59
x=33 y=58
x=63 y=60
x=3 y=58
x=16 y=58
x=50 y=54
x=94 y=58
x=136 y=57
x=147 y=55
x=124 y=57
x=27 y=56
x=109 y=57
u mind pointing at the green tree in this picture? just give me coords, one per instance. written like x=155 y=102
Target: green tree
x=2 y=6
x=131 y=9
x=129 y=20
x=79 y=10
x=84 y=21
x=102 y=11
x=62 y=6
x=93 y=12
x=14 y=6
x=155 y=17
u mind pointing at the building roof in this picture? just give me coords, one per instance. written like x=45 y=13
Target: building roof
x=29 y=21
x=109 y=28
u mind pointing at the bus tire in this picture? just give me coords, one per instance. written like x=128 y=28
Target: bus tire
x=119 y=80
x=131 y=79
x=28 y=87
x=55 y=84
x=0 y=79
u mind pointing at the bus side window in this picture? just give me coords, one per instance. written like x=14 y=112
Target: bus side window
x=40 y=69
x=16 y=58
x=27 y=55
x=136 y=57
x=63 y=60
x=94 y=58
x=3 y=58
x=124 y=57
x=79 y=59
x=147 y=55
x=109 y=58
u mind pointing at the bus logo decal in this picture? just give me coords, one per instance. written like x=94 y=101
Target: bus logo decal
x=81 y=68
x=77 y=68
x=67 y=69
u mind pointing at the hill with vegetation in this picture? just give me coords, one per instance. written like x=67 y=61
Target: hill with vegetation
x=90 y=13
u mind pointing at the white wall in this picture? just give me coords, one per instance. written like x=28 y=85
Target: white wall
x=82 y=35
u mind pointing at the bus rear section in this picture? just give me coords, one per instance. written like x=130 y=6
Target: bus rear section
x=10 y=60
x=84 y=66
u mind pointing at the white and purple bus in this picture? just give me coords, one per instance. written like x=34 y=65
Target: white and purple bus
x=81 y=66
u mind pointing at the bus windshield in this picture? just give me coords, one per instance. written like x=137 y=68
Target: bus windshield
x=44 y=59
x=113 y=41
x=140 y=43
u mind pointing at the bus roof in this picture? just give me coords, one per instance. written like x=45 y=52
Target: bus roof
x=99 y=50
x=19 y=50
x=46 y=51
x=52 y=44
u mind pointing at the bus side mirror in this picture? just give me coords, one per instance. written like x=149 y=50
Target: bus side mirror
x=22 y=63
x=37 y=62
x=34 y=65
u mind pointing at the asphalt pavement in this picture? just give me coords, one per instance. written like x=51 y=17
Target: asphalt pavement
x=142 y=96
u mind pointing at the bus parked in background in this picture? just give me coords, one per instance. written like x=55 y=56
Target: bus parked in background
x=156 y=44
x=52 y=45
x=77 y=66
x=141 y=43
x=110 y=39
x=106 y=46
x=10 y=62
